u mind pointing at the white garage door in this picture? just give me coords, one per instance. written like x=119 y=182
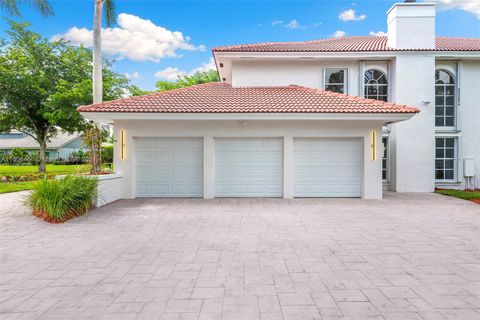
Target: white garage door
x=328 y=167
x=249 y=167
x=169 y=167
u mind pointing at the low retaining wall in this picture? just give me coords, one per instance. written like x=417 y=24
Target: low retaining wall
x=109 y=187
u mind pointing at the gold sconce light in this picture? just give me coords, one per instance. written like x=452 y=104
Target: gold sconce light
x=122 y=145
x=373 y=145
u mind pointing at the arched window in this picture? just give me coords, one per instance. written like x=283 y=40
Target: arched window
x=444 y=99
x=376 y=85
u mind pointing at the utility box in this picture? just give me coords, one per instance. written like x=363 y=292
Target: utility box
x=468 y=167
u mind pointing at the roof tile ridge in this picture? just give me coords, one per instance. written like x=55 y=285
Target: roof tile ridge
x=456 y=38
x=234 y=46
x=148 y=95
x=356 y=98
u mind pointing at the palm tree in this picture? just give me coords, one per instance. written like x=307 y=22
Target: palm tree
x=97 y=43
x=95 y=132
x=11 y=6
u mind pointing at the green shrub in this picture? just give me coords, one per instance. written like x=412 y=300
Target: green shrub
x=107 y=154
x=17 y=156
x=60 y=199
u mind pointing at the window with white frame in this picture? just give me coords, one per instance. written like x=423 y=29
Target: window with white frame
x=445 y=156
x=335 y=80
x=444 y=99
x=375 y=85
x=385 y=166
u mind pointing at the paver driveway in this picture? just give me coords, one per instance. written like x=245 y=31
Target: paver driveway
x=410 y=256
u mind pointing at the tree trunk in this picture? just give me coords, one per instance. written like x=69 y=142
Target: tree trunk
x=42 y=166
x=97 y=52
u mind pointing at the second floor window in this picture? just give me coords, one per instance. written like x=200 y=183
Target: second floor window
x=376 y=85
x=335 y=80
x=444 y=99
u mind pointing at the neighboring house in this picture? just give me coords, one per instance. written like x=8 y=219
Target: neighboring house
x=61 y=146
x=307 y=119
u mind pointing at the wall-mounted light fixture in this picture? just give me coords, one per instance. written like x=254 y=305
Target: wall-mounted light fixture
x=373 y=145
x=122 y=145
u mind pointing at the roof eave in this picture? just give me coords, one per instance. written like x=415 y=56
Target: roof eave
x=110 y=117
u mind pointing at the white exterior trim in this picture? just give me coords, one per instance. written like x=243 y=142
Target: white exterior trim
x=112 y=116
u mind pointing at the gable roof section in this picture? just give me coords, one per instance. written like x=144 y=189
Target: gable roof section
x=218 y=97
x=350 y=44
x=27 y=142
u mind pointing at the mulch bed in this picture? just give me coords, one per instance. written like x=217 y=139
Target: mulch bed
x=477 y=201
x=45 y=217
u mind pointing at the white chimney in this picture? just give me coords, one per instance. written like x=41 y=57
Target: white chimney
x=411 y=25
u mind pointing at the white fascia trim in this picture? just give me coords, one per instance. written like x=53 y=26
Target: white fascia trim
x=344 y=55
x=111 y=116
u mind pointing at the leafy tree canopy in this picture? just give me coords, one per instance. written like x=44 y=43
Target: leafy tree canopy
x=43 y=82
x=188 y=80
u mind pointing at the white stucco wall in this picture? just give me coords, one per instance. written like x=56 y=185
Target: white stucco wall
x=283 y=73
x=109 y=188
x=469 y=116
x=208 y=130
x=411 y=26
x=413 y=142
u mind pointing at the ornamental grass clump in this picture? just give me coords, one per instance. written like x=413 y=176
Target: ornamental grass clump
x=58 y=200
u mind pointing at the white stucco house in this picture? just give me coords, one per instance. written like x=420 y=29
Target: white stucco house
x=340 y=117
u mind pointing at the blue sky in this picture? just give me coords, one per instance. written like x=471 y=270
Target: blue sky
x=180 y=34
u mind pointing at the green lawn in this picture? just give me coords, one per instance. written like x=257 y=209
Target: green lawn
x=51 y=168
x=462 y=194
x=27 y=185
x=16 y=186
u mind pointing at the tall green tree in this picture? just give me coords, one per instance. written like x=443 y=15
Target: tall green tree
x=11 y=6
x=97 y=43
x=43 y=82
x=188 y=80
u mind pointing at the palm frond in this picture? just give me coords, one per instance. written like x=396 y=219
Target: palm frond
x=109 y=9
x=42 y=6
x=10 y=6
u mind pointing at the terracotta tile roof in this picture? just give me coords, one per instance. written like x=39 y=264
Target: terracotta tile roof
x=350 y=44
x=218 y=97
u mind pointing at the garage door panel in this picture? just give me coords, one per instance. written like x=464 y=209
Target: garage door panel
x=169 y=167
x=248 y=167
x=328 y=167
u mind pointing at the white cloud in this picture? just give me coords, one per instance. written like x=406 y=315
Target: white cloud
x=467 y=5
x=172 y=73
x=351 y=15
x=377 y=33
x=339 y=34
x=133 y=75
x=294 y=24
x=169 y=74
x=135 y=38
x=206 y=66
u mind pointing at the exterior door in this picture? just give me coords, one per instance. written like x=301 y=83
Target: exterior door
x=169 y=167
x=328 y=167
x=248 y=167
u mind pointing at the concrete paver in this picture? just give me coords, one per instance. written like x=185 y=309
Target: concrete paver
x=409 y=256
